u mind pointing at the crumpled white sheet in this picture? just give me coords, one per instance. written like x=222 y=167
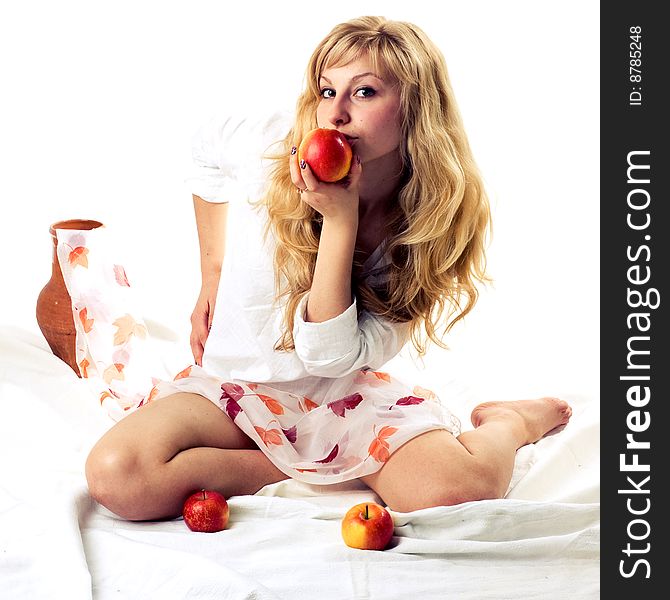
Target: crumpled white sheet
x=542 y=541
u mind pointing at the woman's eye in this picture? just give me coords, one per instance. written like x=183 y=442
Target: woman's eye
x=365 y=92
x=327 y=93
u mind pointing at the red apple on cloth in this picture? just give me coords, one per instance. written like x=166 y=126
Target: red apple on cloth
x=206 y=511
x=367 y=526
x=328 y=154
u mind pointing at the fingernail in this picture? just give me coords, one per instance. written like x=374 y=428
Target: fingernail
x=303 y=164
x=358 y=159
x=293 y=150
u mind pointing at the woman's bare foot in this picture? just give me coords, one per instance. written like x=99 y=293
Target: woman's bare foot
x=532 y=418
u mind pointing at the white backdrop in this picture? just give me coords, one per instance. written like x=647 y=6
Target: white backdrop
x=100 y=100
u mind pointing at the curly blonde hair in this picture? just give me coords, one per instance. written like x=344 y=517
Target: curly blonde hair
x=438 y=232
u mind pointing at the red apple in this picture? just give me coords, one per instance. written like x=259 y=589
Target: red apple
x=367 y=526
x=206 y=511
x=328 y=154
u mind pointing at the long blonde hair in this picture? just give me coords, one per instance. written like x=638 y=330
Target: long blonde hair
x=438 y=232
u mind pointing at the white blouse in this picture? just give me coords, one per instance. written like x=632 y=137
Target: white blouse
x=229 y=167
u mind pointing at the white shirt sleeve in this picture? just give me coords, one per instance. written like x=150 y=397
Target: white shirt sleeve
x=346 y=343
x=227 y=154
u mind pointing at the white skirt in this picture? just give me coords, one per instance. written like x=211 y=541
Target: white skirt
x=322 y=442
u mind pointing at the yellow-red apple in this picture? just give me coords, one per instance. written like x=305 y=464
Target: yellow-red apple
x=327 y=152
x=367 y=526
x=206 y=511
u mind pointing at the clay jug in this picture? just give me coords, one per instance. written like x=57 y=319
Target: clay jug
x=54 y=306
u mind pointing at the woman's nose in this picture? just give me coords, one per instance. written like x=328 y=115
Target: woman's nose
x=338 y=113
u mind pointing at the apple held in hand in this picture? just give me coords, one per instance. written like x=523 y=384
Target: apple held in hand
x=367 y=526
x=206 y=511
x=328 y=154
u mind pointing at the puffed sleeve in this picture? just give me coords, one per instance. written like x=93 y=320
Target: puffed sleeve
x=227 y=154
x=346 y=343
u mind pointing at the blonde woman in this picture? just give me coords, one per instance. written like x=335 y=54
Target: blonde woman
x=291 y=331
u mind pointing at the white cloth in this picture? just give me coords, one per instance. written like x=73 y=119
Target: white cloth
x=283 y=542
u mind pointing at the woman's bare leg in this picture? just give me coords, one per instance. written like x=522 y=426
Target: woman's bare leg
x=437 y=469
x=146 y=464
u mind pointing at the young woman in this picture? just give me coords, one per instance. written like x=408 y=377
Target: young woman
x=290 y=331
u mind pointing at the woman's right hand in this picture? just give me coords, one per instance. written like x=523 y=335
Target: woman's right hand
x=201 y=319
x=335 y=201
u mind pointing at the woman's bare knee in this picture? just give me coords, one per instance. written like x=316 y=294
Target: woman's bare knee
x=126 y=468
x=116 y=480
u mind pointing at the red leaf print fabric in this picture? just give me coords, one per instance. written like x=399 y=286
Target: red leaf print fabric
x=346 y=403
x=114 y=371
x=184 y=373
x=372 y=378
x=231 y=393
x=127 y=326
x=306 y=405
x=232 y=408
x=379 y=448
x=273 y=405
x=269 y=436
x=330 y=457
x=83 y=367
x=120 y=276
x=78 y=257
x=85 y=321
x=408 y=401
x=291 y=434
x=383 y=376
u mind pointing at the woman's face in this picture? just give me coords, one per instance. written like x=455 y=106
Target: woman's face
x=363 y=106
